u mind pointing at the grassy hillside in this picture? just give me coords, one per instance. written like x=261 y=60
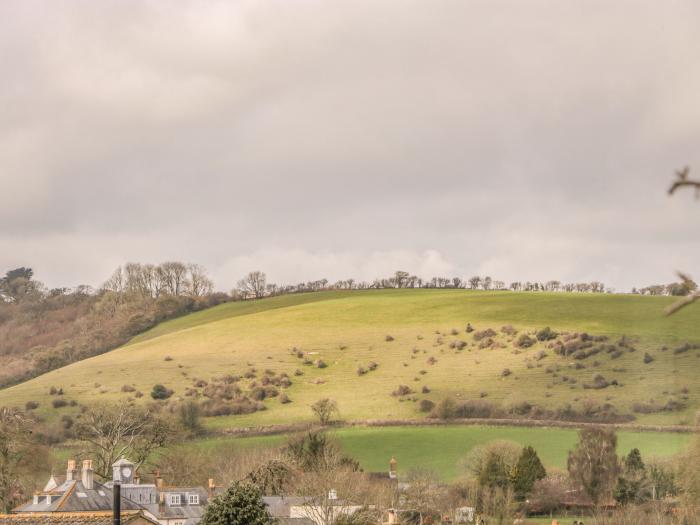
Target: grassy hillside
x=349 y=329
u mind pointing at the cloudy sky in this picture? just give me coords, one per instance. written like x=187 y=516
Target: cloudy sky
x=524 y=140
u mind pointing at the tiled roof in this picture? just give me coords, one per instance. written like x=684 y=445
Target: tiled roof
x=69 y=518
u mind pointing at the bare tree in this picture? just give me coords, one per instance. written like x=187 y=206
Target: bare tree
x=253 y=284
x=423 y=493
x=593 y=464
x=325 y=409
x=199 y=283
x=114 y=431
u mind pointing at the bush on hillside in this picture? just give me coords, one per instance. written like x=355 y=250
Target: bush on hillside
x=426 y=405
x=483 y=334
x=546 y=334
x=525 y=341
x=402 y=390
x=161 y=392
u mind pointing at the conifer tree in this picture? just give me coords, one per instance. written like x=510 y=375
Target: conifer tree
x=527 y=471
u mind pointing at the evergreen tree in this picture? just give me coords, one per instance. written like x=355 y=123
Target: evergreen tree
x=633 y=485
x=241 y=504
x=527 y=471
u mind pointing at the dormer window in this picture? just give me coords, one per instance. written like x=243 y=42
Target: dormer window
x=174 y=499
x=193 y=499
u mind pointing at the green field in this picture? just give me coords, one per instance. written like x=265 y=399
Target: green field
x=348 y=329
x=442 y=448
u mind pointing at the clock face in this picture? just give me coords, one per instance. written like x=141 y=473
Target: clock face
x=126 y=472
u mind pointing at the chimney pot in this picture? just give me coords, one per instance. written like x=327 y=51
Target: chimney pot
x=88 y=476
x=211 y=486
x=71 y=470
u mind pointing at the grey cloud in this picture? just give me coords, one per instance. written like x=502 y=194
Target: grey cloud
x=528 y=141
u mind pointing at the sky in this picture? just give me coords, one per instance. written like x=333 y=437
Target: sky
x=522 y=140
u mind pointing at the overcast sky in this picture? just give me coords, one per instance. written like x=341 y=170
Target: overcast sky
x=524 y=140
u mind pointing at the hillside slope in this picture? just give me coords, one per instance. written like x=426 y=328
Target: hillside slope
x=347 y=330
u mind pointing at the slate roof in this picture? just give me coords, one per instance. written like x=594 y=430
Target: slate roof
x=72 y=496
x=192 y=514
x=70 y=518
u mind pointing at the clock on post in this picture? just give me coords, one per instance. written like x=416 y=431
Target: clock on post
x=123 y=471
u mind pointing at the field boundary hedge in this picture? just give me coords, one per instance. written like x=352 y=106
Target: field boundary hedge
x=268 y=430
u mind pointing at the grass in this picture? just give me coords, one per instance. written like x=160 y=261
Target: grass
x=442 y=448
x=348 y=329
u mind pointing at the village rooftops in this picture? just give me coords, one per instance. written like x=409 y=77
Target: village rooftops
x=132 y=517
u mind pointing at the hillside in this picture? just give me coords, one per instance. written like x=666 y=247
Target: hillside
x=347 y=330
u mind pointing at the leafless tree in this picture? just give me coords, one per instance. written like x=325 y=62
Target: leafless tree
x=253 y=284
x=199 y=283
x=114 y=431
x=325 y=409
x=423 y=493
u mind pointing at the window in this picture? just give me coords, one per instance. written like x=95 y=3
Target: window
x=193 y=499
x=173 y=499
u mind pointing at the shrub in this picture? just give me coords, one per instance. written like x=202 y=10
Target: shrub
x=599 y=382
x=59 y=403
x=425 y=389
x=284 y=399
x=31 y=405
x=128 y=388
x=506 y=372
x=402 y=390
x=321 y=364
x=426 y=405
x=138 y=394
x=458 y=345
x=685 y=347
x=469 y=328
x=483 y=334
x=361 y=370
x=454 y=331
x=161 y=392
x=372 y=365
x=189 y=416
x=508 y=330
x=525 y=341
x=298 y=372
x=388 y=338
x=167 y=358
x=431 y=360
x=546 y=334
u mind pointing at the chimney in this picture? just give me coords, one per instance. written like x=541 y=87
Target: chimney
x=71 y=471
x=392 y=468
x=159 y=480
x=137 y=478
x=88 y=474
x=332 y=494
x=117 y=503
x=211 y=486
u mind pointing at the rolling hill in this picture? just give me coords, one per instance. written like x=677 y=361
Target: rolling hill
x=416 y=338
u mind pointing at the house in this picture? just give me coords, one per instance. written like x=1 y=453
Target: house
x=298 y=510
x=166 y=505
x=78 y=492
